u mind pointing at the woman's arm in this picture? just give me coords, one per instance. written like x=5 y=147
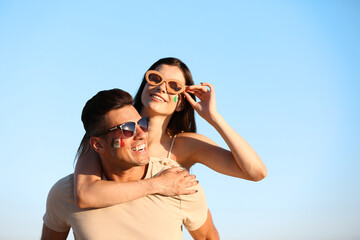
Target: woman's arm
x=93 y=192
x=241 y=161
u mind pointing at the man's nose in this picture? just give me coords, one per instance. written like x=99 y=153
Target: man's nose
x=139 y=134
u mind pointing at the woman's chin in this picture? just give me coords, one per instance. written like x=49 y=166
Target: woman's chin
x=154 y=108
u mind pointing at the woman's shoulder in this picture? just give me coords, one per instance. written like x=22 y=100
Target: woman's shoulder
x=188 y=135
x=191 y=138
x=187 y=146
x=191 y=142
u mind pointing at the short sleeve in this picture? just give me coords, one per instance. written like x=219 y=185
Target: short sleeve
x=194 y=209
x=55 y=215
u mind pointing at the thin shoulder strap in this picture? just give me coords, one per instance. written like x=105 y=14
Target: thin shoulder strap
x=172 y=144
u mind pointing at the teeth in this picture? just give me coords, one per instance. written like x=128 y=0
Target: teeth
x=138 y=148
x=158 y=98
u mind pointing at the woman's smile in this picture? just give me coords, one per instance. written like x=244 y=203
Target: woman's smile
x=157 y=98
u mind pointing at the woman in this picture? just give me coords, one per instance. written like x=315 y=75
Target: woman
x=166 y=95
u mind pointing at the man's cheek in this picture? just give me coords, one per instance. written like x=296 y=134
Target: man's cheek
x=117 y=143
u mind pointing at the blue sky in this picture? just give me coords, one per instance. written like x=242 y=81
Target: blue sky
x=286 y=76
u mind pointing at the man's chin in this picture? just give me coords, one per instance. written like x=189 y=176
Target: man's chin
x=143 y=161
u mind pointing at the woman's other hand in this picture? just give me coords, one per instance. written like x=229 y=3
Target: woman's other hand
x=175 y=181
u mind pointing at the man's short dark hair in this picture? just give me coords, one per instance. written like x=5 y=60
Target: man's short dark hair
x=94 y=111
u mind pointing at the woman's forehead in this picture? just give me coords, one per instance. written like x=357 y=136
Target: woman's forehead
x=171 y=72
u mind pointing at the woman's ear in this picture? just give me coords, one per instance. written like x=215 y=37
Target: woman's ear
x=181 y=103
x=97 y=144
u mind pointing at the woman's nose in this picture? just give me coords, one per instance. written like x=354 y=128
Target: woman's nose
x=162 y=87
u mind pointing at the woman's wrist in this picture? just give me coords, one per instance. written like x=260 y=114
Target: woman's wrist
x=150 y=185
x=215 y=120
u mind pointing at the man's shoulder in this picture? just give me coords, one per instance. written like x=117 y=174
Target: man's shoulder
x=158 y=165
x=60 y=202
x=65 y=181
x=63 y=188
x=155 y=167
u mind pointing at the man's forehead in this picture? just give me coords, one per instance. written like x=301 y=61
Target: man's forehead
x=122 y=115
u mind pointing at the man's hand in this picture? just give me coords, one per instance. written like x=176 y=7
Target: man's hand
x=175 y=181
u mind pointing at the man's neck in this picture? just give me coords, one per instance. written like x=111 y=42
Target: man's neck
x=125 y=175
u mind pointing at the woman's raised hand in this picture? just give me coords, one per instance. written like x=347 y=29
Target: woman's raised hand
x=205 y=92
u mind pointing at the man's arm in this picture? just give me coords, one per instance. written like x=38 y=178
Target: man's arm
x=207 y=231
x=48 y=234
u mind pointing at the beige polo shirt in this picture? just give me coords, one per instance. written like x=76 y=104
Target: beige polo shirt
x=151 y=217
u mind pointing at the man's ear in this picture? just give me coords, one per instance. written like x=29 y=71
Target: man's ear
x=181 y=103
x=97 y=144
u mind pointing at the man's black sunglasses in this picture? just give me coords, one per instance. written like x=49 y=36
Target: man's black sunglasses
x=128 y=129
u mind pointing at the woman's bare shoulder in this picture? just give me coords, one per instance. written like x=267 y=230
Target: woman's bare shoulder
x=189 y=146
x=189 y=143
x=191 y=138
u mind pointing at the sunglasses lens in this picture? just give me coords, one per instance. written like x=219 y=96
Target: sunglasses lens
x=144 y=124
x=174 y=86
x=154 y=79
x=128 y=129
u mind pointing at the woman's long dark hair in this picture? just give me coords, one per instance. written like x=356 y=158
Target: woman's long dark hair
x=182 y=121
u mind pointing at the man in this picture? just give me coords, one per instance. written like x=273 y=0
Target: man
x=116 y=131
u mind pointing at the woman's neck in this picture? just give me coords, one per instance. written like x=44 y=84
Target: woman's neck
x=158 y=129
x=158 y=138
